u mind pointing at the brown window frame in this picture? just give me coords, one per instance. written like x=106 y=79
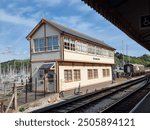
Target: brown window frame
x=108 y=72
x=95 y=71
x=90 y=73
x=104 y=72
x=77 y=74
x=68 y=75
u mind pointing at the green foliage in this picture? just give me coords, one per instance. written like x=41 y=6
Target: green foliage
x=17 y=64
x=21 y=109
x=145 y=59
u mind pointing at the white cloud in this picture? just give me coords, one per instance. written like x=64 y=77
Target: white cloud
x=16 y=19
x=77 y=23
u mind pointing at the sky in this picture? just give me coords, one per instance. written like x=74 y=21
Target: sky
x=19 y=17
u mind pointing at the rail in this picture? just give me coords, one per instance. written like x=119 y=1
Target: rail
x=73 y=105
x=127 y=103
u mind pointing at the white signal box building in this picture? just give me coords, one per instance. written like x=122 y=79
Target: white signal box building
x=63 y=59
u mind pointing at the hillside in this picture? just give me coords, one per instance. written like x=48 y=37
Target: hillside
x=19 y=65
x=25 y=64
x=144 y=59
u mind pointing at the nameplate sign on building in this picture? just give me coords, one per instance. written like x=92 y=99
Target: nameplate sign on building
x=145 y=22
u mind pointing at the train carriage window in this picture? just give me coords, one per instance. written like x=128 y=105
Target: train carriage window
x=128 y=69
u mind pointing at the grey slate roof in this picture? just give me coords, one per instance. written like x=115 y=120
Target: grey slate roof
x=76 y=33
x=47 y=66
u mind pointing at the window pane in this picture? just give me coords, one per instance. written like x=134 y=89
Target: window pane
x=108 y=72
x=84 y=47
x=95 y=73
x=55 y=42
x=68 y=75
x=78 y=46
x=36 y=45
x=90 y=74
x=76 y=75
x=91 y=49
x=49 y=43
x=41 y=44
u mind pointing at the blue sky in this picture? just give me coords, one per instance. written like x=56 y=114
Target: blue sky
x=18 y=18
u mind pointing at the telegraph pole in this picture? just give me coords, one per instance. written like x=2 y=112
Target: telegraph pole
x=122 y=53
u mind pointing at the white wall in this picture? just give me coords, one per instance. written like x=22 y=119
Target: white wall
x=40 y=83
x=84 y=77
x=77 y=56
x=35 y=68
x=46 y=56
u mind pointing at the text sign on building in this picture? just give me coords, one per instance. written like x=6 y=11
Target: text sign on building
x=145 y=22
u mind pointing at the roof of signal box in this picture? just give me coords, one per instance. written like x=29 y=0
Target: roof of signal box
x=68 y=31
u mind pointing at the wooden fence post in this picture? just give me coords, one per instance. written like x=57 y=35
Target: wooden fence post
x=26 y=98
x=15 y=97
x=44 y=87
x=35 y=87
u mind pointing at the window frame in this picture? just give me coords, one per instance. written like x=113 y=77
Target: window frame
x=67 y=76
x=90 y=73
x=77 y=74
x=37 y=43
x=52 y=43
x=95 y=73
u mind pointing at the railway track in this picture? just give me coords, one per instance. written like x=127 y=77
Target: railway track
x=80 y=103
x=126 y=104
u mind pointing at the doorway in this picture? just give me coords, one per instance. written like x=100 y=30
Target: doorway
x=50 y=78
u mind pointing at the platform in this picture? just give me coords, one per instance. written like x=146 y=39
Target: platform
x=143 y=106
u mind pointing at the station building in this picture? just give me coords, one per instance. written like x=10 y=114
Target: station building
x=63 y=59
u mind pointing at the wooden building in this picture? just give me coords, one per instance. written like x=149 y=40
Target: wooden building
x=64 y=59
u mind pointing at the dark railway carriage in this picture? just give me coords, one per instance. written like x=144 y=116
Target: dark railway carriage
x=134 y=69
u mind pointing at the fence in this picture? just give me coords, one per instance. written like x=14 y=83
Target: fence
x=14 y=94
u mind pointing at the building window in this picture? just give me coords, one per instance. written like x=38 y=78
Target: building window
x=91 y=49
x=52 y=43
x=68 y=75
x=84 y=47
x=55 y=43
x=39 y=45
x=79 y=46
x=90 y=74
x=69 y=44
x=104 y=72
x=77 y=75
x=95 y=73
x=98 y=51
x=41 y=74
x=108 y=72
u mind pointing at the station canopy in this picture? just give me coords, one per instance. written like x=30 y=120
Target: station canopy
x=131 y=16
x=47 y=66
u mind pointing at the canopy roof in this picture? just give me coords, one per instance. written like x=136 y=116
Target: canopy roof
x=131 y=16
x=47 y=66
